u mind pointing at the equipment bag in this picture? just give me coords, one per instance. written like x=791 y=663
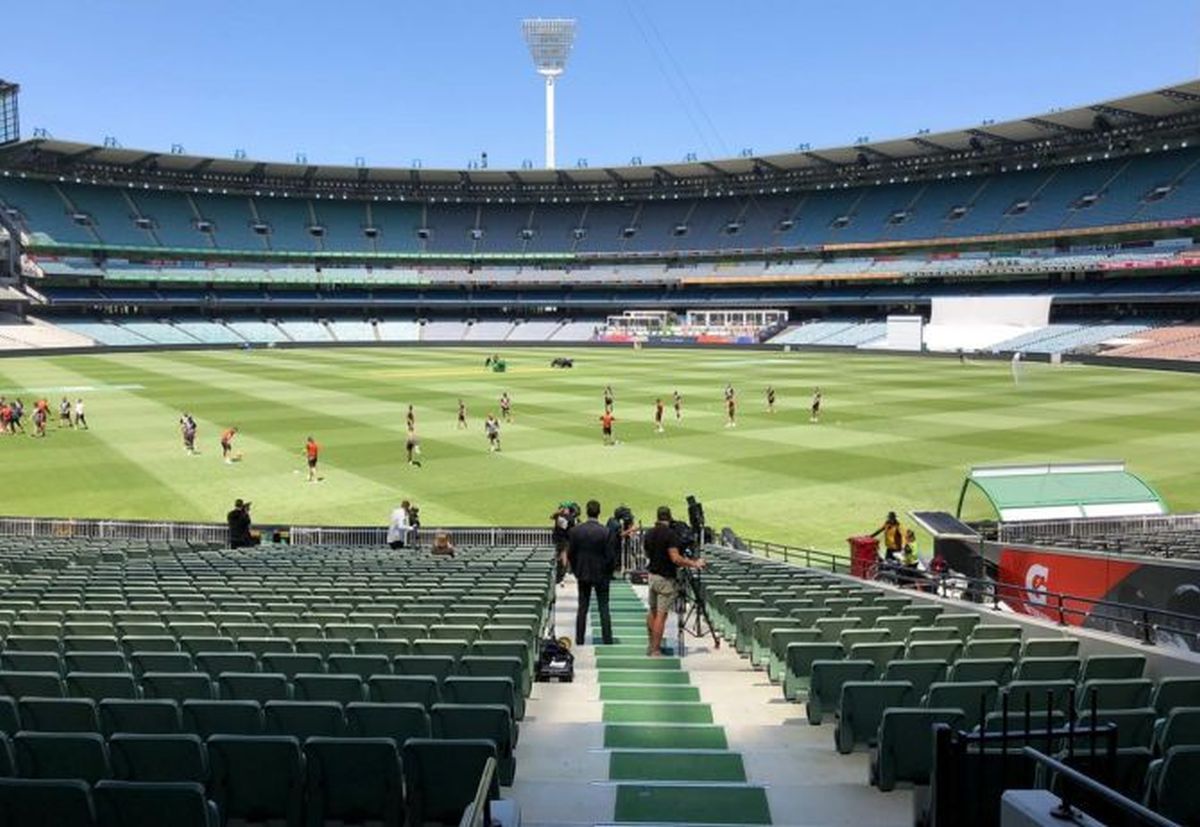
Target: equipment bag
x=556 y=661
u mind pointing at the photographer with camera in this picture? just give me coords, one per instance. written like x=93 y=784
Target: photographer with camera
x=663 y=548
x=621 y=527
x=238 y=520
x=562 y=521
x=589 y=554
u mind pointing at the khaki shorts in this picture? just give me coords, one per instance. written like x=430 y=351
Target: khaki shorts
x=662 y=594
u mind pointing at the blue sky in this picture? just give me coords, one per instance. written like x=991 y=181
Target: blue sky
x=443 y=81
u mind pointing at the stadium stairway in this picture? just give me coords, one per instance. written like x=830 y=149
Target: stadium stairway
x=720 y=745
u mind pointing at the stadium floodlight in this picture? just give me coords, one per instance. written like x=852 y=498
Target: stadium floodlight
x=10 y=126
x=549 y=42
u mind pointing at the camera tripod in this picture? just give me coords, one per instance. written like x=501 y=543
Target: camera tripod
x=692 y=611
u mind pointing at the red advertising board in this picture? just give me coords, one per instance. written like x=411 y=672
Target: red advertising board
x=1034 y=576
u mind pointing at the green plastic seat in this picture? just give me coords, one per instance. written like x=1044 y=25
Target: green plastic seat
x=780 y=640
x=996 y=631
x=353 y=780
x=1113 y=667
x=798 y=663
x=95 y=662
x=32 y=662
x=340 y=688
x=861 y=710
x=140 y=804
x=925 y=613
x=1049 y=669
x=257 y=778
x=178 y=686
x=290 y=664
x=944 y=650
x=206 y=718
x=31 y=685
x=98 y=685
x=1170 y=785
x=853 y=637
x=922 y=634
x=760 y=644
x=965 y=623
x=214 y=663
x=988 y=649
x=324 y=647
x=1038 y=722
x=58 y=714
x=303 y=719
x=831 y=628
x=1135 y=727
x=493 y=722
x=254 y=686
x=920 y=673
x=388 y=647
x=404 y=689
x=825 y=685
x=904 y=752
x=364 y=666
x=77 y=755
x=975 y=698
x=260 y=646
x=398 y=721
x=880 y=654
x=482 y=666
x=444 y=647
x=435 y=666
x=898 y=626
x=1040 y=695
x=176 y=757
x=459 y=689
x=46 y=803
x=157 y=716
x=441 y=777
x=1180 y=728
x=968 y=670
x=1050 y=647
x=1128 y=693
x=1173 y=692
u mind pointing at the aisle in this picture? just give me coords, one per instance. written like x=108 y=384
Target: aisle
x=670 y=761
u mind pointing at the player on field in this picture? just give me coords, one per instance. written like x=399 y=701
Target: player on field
x=227 y=445
x=505 y=407
x=1016 y=368
x=18 y=413
x=39 y=420
x=311 y=452
x=187 y=427
x=678 y=399
x=64 y=413
x=608 y=398
x=412 y=448
x=5 y=417
x=730 y=407
x=410 y=419
x=770 y=399
x=815 y=409
x=491 y=426
x=606 y=427
x=462 y=415
x=80 y=416
x=658 y=415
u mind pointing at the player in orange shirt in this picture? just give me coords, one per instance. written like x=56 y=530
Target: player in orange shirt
x=606 y=427
x=312 y=450
x=227 y=444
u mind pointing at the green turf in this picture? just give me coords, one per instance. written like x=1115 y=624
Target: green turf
x=644 y=676
x=626 y=692
x=676 y=766
x=696 y=804
x=898 y=432
x=666 y=736
x=657 y=713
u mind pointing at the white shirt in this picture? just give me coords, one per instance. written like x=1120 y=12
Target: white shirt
x=398 y=527
x=79 y=409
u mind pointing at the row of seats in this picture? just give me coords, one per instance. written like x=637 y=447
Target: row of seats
x=888 y=668
x=47 y=779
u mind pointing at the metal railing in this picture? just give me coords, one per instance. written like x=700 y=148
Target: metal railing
x=57 y=528
x=1070 y=782
x=810 y=558
x=462 y=536
x=1095 y=527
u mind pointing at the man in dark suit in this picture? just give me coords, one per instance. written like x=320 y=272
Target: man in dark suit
x=588 y=552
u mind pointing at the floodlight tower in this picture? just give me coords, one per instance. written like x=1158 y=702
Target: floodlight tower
x=549 y=42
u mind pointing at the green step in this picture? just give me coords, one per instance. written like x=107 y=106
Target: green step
x=676 y=766
x=648 y=676
x=697 y=804
x=644 y=662
x=626 y=692
x=631 y=649
x=666 y=736
x=657 y=713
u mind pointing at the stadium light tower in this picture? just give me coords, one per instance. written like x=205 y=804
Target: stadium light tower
x=549 y=42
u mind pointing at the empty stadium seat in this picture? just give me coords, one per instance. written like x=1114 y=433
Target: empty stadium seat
x=207 y=718
x=178 y=686
x=177 y=757
x=825 y=684
x=340 y=688
x=398 y=721
x=303 y=719
x=258 y=778
x=798 y=663
x=1173 y=692
x=1170 y=785
x=419 y=689
x=441 y=777
x=975 y=698
x=1114 y=694
x=966 y=670
x=1113 y=667
x=1135 y=726
x=58 y=715
x=492 y=722
x=920 y=673
x=861 y=710
x=46 y=803
x=254 y=686
x=1049 y=669
x=354 y=780
x=151 y=716
x=1057 y=647
x=139 y=804
x=59 y=755
x=904 y=752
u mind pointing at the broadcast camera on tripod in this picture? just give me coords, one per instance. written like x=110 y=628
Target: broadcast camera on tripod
x=692 y=607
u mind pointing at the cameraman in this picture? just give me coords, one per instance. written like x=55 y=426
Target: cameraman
x=621 y=527
x=563 y=520
x=239 y=526
x=662 y=547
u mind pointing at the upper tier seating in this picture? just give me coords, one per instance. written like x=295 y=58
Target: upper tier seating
x=1049 y=199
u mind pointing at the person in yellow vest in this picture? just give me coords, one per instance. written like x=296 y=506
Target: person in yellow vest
x=893 y=538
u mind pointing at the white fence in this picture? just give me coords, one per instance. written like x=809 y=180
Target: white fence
x=1096 y=527
x=113 y=530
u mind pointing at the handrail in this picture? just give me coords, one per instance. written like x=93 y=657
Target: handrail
x=477 y=813
x=1141 y=622
x=1066 y=809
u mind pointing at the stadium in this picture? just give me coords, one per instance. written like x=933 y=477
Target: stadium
x=990 y=331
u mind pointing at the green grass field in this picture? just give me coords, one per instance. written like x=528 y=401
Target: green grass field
x=896 y=433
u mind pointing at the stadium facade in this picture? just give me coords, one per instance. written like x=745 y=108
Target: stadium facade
x=1094 y=209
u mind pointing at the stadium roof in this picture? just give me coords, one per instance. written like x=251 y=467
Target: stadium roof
x=1094 y=124
x=1021 y=493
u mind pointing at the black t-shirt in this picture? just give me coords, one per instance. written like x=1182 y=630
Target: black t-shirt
x=657 y=541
